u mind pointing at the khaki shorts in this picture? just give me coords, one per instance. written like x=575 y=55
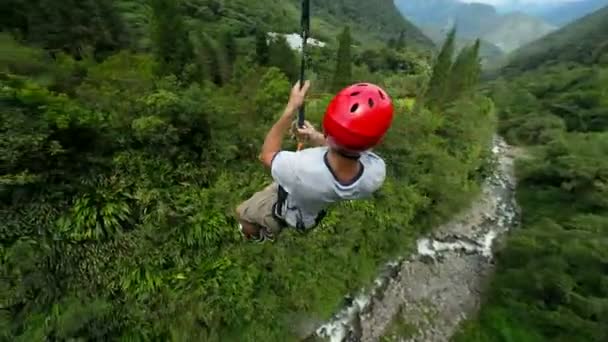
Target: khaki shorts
x=258 y=210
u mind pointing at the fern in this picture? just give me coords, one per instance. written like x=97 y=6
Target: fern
x=101 y=215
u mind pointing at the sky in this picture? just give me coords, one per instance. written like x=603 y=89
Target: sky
x=520 y=2
x=528 y=6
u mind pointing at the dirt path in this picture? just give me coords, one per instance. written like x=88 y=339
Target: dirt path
x=437 y=288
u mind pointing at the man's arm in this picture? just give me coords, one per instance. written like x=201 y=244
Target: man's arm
x=274 y=138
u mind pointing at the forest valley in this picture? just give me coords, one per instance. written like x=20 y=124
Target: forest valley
x=130 y=130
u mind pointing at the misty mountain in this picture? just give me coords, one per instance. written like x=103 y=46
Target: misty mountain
x=584 y=41
x=565 y=13
x=443 y=14
x=475 y=20
x=487 y=50
x=516 y=29
x=557 y=13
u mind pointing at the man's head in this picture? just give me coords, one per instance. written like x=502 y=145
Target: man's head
x=357 y=119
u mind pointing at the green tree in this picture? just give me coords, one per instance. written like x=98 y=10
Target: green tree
x=602 y=84
x=172 y=44
x=262 y=52
x=283 y=57
x=271 y=96
x=464 y=73
x=475 y=64
x=14 y=16
x=457 y=79
x=229 y=53
x=212 y=64
x=71 y=26
x=343 y=72
x=436 y=91
x=400 y=43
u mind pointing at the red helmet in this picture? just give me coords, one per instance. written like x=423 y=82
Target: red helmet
x=358 y=117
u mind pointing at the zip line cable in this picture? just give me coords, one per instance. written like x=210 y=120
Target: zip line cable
x=305 y=25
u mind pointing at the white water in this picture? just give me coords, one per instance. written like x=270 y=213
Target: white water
x=483 y=246
x=337 y=329
x=295 y=40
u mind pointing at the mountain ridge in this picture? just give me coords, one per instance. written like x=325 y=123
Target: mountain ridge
x=508 y=34
x=560 y=13
x=584 y=41
x=371 y=21
x=476 y=20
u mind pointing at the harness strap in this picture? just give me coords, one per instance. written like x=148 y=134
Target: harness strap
x=278 y=209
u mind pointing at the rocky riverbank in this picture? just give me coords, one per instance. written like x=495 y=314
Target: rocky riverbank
x=437 y=288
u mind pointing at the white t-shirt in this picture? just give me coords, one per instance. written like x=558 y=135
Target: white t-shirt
x=311 y=185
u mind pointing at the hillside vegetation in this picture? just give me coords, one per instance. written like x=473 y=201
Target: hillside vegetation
x=369 y=22
x=378 y=19
x=551 y=281
x=130 y=131
x=584 y=42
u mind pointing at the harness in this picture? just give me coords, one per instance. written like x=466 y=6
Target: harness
x=279 y=208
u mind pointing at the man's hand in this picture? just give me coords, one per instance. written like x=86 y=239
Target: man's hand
x=274 y=138
x=298 y=94
x=308 y=133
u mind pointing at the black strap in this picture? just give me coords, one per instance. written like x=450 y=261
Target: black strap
x=282 y=198
x=278 y=210
x=320 y=217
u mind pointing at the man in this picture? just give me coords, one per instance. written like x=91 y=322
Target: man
x=341 y=167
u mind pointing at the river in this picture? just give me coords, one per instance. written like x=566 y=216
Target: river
x=440 y=285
